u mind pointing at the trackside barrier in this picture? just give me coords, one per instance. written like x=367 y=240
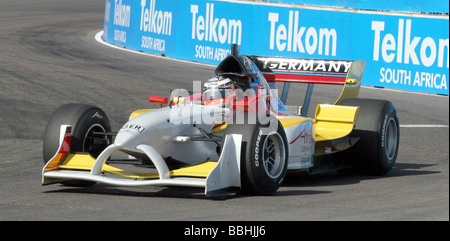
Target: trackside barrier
x=421 y=6
x=402 y=50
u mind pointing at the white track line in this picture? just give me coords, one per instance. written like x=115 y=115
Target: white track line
x=403 y=91
x=99 y=39
x=424 y=126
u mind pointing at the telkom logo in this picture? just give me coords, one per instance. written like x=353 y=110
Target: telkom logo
x=208 y=28
x=295 y=38
x=402 y=47
x=121 y=13
x=155 y=21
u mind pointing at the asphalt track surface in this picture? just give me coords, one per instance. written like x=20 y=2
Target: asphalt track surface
x=49 y=57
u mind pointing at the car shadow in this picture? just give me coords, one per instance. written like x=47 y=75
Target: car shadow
x=411 y=169
x=349 y=176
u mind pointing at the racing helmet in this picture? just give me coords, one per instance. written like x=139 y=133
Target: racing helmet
x=218 y=87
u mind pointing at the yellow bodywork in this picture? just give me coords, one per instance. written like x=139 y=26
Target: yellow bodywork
x=137 y=113
x=85 y=162
x=334 y=121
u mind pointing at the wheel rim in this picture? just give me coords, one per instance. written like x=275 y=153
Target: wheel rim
x=391 y=139
x=274 y=155
x=88 y=142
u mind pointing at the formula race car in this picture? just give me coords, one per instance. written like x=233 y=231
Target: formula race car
x=231 y=132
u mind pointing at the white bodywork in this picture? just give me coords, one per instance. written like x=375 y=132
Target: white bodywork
x=301 y=145
x=158 y=128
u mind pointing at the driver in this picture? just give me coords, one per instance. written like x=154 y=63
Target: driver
x=217 y=89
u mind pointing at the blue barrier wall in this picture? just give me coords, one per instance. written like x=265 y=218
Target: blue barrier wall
x=401 y=51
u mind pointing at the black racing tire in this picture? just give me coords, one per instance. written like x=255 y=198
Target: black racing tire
x=379 y=131
x=264 y=154
x=84 y=119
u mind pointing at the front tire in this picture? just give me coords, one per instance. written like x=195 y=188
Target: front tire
x=85 y=120
x=264 y=155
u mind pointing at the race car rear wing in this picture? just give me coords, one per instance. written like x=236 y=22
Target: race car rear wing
x=312 y=71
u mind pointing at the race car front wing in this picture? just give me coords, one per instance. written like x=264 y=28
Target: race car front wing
x=215 y=177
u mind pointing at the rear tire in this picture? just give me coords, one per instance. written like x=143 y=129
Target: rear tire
x=378 y=128
x=264 y=155
x=84 y=119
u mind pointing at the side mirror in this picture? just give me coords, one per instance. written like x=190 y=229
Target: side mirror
x=158 y=100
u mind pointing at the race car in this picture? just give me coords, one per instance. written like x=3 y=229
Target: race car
x=232 y=132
